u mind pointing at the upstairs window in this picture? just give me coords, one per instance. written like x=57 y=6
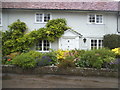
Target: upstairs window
x=42 y=17
x=95 y=19
x=96 y=44
x=43 y=46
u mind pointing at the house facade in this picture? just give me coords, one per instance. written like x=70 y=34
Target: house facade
x=89 y=21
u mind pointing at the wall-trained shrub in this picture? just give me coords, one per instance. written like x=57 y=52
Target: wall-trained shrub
x=111 y=41
x=16 y=40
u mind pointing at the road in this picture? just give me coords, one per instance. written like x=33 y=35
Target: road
x=57 y=81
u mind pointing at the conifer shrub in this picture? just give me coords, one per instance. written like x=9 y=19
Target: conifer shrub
x=111 y=41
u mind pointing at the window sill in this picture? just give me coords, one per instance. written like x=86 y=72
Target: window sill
x=95 y=24
x=40 y=22
x=42 y=51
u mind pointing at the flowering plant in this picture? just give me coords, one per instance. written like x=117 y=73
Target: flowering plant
x=6 y=60
x=61 y=54
x=9 y=61
x=117 y=51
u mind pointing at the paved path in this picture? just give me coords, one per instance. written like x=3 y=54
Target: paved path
x=57 y=81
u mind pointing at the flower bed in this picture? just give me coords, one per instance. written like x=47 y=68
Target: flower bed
x=100 y=58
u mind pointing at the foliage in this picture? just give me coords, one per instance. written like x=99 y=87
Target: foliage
x=61 y=54
x=52 y=56
x=111 y=41
x=13 y=55
x=17 y=41
x=76 y=53
x=67 y=63
x=44 y=61
x=114 y=64
x=55 y=28
x=34 y=54
x=9 y=38
x=25 y=61
x=6 y=60
x=96 y=58
x=47 y=58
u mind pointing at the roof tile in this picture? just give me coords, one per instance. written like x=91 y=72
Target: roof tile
x=107 y=6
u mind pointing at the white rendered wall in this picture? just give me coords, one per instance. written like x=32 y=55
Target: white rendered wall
x=78 y=21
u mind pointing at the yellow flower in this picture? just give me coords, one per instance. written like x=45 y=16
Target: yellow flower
x=61 y=54
x=116 y=50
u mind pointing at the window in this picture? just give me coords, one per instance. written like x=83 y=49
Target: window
x=42 y=17
x=96 y=44
x=96 y=19
x=43 y=45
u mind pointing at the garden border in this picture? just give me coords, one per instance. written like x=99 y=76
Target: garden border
x=59 y=71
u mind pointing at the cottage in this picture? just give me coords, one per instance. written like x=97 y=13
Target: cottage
x=89 y=21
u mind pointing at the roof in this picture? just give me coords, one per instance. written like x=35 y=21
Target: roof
x=73 y=32
x=62 y=5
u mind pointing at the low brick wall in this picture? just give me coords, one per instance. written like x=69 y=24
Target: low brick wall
x=56 y=70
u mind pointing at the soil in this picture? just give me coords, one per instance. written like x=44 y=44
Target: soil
x=57 y=81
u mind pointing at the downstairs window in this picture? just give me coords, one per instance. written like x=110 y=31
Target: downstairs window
x=43 y=46
x=96 y=44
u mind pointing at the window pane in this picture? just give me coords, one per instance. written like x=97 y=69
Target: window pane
x=96 y=44
x=98 y=18
x=39 y=17
x=91 y=18
x=46 y=45
x=100 y=43
x=93 y=44
x=46 y=17
x=39 y=45
x=43 y=45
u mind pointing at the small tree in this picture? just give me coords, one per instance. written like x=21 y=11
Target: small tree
x=111 y=41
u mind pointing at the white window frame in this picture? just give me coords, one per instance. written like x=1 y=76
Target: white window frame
x=1 y=19
x=43 y=47
x=42 y=17
x=97 y=47
x=88 y=19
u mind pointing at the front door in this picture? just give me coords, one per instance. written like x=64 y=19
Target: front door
x=68 y=44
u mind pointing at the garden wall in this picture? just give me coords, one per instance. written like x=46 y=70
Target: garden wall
x=56 y=70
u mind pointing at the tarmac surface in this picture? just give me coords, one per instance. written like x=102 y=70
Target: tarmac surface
x=56 y=81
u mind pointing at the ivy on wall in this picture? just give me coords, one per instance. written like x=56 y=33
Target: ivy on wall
x=15 y=39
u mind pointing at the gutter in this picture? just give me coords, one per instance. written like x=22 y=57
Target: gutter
x=118 y=16
x=61 y=9
x=118 y=22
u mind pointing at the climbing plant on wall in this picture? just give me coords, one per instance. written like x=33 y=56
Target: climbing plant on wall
x=16 y=40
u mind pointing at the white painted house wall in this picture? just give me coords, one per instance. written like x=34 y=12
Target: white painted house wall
x=77 y=20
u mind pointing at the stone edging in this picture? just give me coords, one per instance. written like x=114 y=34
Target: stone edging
x=56 y=70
